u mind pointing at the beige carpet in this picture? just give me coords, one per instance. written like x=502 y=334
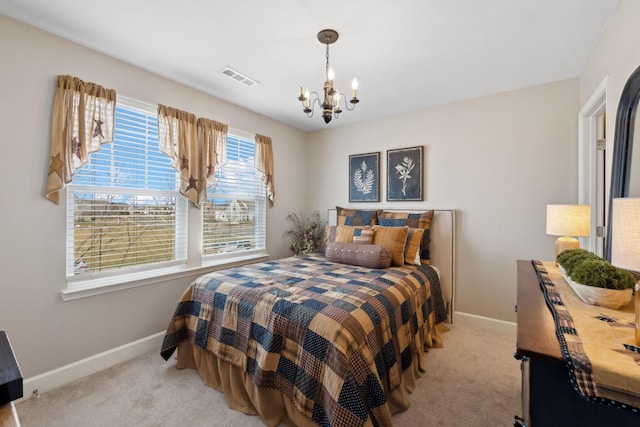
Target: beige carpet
x=473 y=381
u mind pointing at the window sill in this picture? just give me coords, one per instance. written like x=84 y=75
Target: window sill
x=88 y=288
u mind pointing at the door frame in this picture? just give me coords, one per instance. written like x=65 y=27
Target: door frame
x=589 y=169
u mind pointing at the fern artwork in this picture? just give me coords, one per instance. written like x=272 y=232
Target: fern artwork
x=364 y=177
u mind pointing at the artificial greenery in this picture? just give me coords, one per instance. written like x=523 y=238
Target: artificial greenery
x=570 y=258
x=589 y=269
x=307 y=232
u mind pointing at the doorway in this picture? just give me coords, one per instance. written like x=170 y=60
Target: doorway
x=592 y=147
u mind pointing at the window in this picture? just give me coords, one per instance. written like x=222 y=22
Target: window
x=234 y=212
x=125 y=214
x=123 y=207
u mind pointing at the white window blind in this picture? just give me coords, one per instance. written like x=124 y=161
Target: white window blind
x=234 y=214
x=124 y=211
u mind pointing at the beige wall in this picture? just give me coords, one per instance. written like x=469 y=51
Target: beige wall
x=497 y=160
x=615 y=58
x=47 y=333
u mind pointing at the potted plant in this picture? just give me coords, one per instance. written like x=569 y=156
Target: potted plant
x=595 y=280
x=307 y=232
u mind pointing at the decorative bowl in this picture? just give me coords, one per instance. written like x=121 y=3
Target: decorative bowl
x=610 y=298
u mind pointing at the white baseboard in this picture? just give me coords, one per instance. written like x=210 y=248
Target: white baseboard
x=488 y=323
x=74 y=371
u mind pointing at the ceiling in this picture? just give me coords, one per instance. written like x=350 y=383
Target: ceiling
x=406 y=54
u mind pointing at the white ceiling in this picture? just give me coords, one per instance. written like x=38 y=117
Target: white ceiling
x=406 y=54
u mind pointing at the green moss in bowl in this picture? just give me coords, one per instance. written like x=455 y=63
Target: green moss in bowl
x=597 y=272
x=571 y=257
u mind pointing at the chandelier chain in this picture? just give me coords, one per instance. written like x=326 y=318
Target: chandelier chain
x=327 y=67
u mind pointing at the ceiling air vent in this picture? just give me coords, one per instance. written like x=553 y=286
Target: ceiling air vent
x=239 y=77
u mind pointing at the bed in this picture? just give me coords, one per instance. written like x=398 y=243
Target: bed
x=314 y=340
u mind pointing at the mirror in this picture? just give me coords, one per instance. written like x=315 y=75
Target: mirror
x=634 y=177
x=625 y=176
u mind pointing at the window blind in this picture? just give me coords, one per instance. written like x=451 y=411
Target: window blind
x=234 y=214
x=124 y=209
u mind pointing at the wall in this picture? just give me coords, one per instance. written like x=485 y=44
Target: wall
x=615 y=57
x=498 y=160
x=47 y=333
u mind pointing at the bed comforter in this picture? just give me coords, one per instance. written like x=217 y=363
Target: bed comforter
x=332 y=338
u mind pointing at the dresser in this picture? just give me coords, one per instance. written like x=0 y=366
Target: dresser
x=9 y=416
x=548 y=399
x=10 y=383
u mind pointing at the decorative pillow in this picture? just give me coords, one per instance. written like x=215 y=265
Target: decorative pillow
x=342 y=233
x=356 y=217
x=414 y=220
x=371 y=256
x=412 y=246
x=392 y=238
x=363 y=236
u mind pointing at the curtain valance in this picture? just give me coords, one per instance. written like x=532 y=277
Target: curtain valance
x=83 y=120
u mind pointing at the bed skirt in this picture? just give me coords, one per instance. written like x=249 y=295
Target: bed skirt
x=242 y=395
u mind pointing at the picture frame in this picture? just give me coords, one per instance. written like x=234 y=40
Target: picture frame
x=405 y=174
x=364 y=177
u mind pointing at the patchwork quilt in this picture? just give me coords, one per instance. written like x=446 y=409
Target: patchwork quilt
x=333 y=338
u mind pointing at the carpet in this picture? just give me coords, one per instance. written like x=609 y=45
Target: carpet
x=473 y=381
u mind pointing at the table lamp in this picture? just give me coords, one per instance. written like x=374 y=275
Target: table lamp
x=625 y=243
x=568 y=221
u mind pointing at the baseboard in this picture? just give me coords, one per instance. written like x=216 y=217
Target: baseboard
x=488 y=323
x=74 y=371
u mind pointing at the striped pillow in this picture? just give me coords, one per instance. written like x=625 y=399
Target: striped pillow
x=412 y=247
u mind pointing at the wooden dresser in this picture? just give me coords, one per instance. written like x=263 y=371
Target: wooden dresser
x=548 y=400
x=10 y=383
x=9 y=416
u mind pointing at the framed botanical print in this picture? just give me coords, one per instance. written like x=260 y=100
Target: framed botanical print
x=405 y=174
x=364 y=177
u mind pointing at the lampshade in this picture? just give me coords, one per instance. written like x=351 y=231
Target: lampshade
x=568 y=220
x=625 y=233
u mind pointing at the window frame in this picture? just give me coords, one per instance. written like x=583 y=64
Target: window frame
x=194 y=263
x=260 y=209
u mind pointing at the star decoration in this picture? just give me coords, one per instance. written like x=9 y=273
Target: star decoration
x=184 y=163
x=76 y=147
x=98 y=129
x=612 y=321
x=193 y=183
x=210 y=170
x=632 y=354
x=56 y=165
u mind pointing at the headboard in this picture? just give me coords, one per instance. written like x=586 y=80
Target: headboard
x=442 y=248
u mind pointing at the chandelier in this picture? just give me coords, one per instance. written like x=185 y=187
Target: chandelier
x=331 y=101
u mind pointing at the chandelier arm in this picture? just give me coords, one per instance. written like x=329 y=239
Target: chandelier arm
x=314 y=99
x=349 y=105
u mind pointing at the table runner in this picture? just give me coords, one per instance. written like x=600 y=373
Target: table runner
x=597 y=343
